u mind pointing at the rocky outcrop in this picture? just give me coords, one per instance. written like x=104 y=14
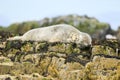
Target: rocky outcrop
x=59 y=61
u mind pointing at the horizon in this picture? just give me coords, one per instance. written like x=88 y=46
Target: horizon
x=29 y=10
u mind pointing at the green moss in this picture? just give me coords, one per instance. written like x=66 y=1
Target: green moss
x=76 y=50
x=42 y=47
x=27 y=47
x=56 y=47
x=4 y=69
x=46 y=79
x=69 y=49
x=5 y=60
x=105 y=50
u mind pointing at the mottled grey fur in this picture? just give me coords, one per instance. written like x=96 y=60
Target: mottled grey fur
x=56 y=33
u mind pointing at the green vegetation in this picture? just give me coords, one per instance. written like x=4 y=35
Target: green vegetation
x=22 y=28
x=25 y=60
x=83 y=23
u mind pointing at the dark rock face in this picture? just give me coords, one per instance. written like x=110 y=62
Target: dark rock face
x=4 y=35
x=118 y=34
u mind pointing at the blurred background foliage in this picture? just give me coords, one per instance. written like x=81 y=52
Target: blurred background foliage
x=84 y=23
x=21 y=28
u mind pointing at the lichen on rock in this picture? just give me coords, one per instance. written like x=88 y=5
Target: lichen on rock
x=59 y=61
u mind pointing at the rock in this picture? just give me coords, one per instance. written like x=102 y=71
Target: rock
x=4 y=35
x=102 y=68
x=108 y=47
x=59 y=61
x=118 y=34
x=7 y=77
x=105 y=50
x=108 y=36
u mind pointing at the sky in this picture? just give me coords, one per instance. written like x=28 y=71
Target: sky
x=12 y=11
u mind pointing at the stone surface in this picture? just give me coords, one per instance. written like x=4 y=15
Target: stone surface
x=59 y=61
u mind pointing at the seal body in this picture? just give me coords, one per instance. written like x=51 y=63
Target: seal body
x=56 y=33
